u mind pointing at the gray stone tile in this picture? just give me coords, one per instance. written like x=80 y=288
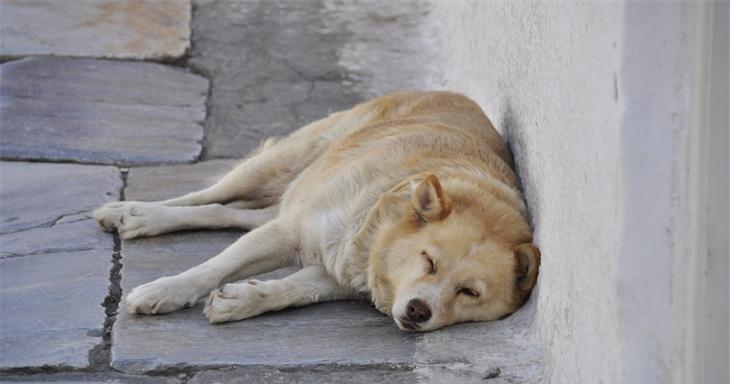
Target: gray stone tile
x=467 y=353
x=143 y=29
x=99 y=111
x=334 y=333
x=83 y=235
x=344 y=375
x=160 y=183
x=54 y=262
x=90 y=378
x=277 y=66
x=51 y=308
x=36 y=195
x=347 y=333
x=265 y=61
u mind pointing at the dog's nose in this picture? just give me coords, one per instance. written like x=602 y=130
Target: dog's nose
x=418 y=311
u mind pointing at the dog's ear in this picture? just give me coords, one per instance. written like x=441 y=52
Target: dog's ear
x=527 y=264
x=430 y=201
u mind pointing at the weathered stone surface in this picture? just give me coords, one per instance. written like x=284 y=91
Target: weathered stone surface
x=51 y=308
x=345 y=375
x=283 y=74
x=82 y=235
x=335 y=333
x=91 y=378
x=467 y=353
x=139 y=29
x=98 y=111
x=347 y=333
x=277 y=66
x=54 y=262
x=160 y=183
x=36 y=195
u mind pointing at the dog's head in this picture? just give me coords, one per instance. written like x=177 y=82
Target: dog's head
x=452 y=258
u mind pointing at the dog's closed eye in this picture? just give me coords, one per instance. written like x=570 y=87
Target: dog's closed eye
x=468 y=292
x=431 y=265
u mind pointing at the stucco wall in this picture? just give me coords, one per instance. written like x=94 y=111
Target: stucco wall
x=596 y=102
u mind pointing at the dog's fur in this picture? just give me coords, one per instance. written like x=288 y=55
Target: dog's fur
x=409 y=198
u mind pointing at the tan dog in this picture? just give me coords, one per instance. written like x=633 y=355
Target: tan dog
x=409 y=198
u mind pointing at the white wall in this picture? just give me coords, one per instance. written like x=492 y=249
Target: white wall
x=598 y=102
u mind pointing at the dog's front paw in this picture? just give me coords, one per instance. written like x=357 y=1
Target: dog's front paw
x=234 y=302
x=163 y=295
x=130 y=219
x=112 y=216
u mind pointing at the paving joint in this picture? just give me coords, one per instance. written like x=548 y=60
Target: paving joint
x=100 y=356
x=38 y=370
x=204 y=74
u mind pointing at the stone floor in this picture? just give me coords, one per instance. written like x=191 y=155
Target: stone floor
x=199 y=86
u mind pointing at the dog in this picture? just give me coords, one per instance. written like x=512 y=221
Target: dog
x=409 y=199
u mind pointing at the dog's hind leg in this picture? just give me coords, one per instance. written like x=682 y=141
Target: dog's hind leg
x=239 y=301
x=151 y=220
x=269 y=247
x=257 y=182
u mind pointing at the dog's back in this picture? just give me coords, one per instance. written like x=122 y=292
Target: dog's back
x=402 y=134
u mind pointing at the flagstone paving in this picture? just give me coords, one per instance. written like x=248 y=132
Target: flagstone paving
x=273 y=67
x=337 y=333
x=139 y=29
x=54 y=262
x=284 y=73
x=93 y=378
x=100 y=111
x=277 y=66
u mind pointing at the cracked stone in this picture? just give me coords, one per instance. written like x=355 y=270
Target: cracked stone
x=277 y=66
x=51 y=306
x=274 y=55
x=469 y=352
x=333 y=333
x=100 y=111
x=55 y=264
x=36 y=194
x=142 y=29
x=77 y=236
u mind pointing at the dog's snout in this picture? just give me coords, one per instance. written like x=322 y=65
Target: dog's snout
x=418 y=311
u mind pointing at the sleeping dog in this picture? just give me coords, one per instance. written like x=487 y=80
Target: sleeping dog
x=409 y=199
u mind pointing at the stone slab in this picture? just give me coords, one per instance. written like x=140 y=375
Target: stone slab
x=278 y=70
x=161 y=183
x=344 y=333
x=81 y=235
x=277 y=66
x=37 y=195
x=132 y=29
x=346 y=375
x=100 y=111
x=91 y=378
x=54 y=262
x=51 y=308
x=501 y=350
